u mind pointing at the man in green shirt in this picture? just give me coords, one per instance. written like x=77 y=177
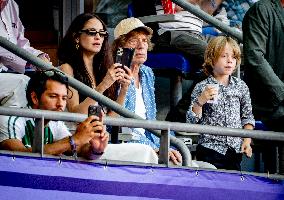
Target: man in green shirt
x=48 y=90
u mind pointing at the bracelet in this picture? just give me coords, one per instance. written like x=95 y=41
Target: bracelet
x=199 y=104
x=97 y=153
x=73 y=146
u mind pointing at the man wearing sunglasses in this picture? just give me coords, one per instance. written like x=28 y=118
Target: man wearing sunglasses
x=48 y=90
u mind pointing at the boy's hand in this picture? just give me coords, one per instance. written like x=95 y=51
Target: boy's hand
x=246 y=148
x=208 y=93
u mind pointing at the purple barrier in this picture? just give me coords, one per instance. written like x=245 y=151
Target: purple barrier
x=25 y=177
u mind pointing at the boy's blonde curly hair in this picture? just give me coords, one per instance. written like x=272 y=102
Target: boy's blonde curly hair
x=214 y=50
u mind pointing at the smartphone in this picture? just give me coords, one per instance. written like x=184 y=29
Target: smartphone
x=124 y=56
x=95 y=110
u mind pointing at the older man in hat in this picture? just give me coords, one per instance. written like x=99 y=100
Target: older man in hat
x=140 y=98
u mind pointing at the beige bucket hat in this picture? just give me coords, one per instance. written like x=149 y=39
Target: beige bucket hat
x=129 y=24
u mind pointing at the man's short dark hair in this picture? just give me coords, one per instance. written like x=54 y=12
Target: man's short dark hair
x=38 y=81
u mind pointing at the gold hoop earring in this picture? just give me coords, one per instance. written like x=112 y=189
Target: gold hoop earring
x=77 y=46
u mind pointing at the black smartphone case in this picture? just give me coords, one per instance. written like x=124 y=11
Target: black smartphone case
x=94 y=110
x=124 y=56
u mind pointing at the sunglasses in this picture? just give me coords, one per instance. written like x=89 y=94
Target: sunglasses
x=59 y=74
x=91 y=32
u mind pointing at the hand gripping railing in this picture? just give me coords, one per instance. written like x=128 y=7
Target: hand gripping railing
x=87 y=91
x=209 y=19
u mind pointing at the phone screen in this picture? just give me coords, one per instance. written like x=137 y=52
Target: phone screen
x=124 y=56
x=94 y=110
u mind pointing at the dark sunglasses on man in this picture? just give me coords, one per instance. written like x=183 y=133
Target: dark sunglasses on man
x=52 y=72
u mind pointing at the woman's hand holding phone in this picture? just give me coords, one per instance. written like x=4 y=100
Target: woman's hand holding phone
x=127 y=77
x=114 y=73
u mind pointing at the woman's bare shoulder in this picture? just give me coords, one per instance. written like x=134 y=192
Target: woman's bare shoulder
x=66 y=68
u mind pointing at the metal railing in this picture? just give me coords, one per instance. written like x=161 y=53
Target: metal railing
x=149 y=124
x=157 y=125
x=87 y=91
x=209 y=19
x=41 y=115
x=161 y=125
x=124 y=112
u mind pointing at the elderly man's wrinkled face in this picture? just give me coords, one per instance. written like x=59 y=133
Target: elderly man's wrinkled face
x=138 y=41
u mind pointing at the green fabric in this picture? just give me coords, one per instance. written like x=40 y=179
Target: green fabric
x=263 y=37
x=27 y=140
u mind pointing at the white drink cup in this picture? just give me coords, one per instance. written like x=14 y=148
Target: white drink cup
x=215 y=99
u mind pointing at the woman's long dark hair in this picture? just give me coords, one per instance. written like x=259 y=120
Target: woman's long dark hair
x=67 y=53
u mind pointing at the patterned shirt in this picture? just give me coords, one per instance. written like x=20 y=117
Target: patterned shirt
x=147 y=82
x=233 y=110
x=236 y=10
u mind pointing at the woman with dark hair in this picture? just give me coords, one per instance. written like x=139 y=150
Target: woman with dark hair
x=85 y=54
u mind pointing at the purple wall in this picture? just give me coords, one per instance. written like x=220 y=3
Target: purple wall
x=37 y=178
